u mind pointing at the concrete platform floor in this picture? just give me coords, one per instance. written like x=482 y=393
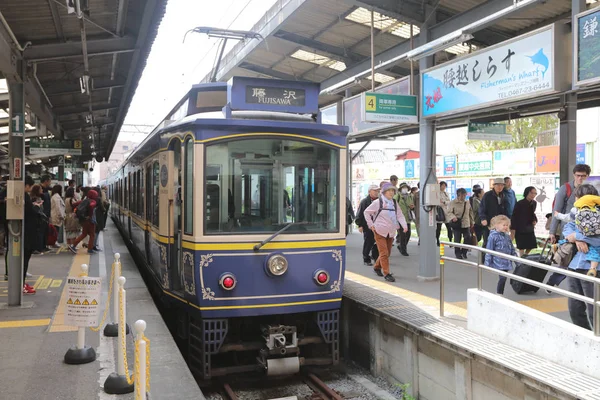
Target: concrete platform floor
x=34 y=339
x=459 y=278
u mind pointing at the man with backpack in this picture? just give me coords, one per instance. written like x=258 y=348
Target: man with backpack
x=563 y=202
x=370 y=252
x=86 y=214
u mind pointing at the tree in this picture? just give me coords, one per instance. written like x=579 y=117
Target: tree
x=524 y=132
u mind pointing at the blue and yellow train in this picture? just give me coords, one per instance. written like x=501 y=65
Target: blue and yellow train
x=236 y=209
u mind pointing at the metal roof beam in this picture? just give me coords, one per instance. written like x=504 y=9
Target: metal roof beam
x=450 y=25
x=393 y=8
x=73 y=49
x=341 y=53
x=241 y=51
x=72 y=110
x=268 y=71
x=99 y=84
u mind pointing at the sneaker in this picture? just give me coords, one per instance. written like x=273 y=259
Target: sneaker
x=404 y=253
x=36 y=252
x=369 y=263
x=28 y=289
x=73 y=249
x=29 y=275
x=91 y=251
x=378 y=271
x=57 y=245
x=390 y=278
x=97 y=249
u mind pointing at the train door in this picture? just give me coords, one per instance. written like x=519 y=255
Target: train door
x=129 y=203
x=175 y=262
x=149 y=213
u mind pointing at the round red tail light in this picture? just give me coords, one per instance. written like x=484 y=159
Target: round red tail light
x=321 y=277
x=227 y=281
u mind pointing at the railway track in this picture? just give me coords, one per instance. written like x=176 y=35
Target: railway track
x=321 y=391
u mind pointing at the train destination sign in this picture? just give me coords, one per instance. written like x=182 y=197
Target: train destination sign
x=258 y=94
x=278 y=96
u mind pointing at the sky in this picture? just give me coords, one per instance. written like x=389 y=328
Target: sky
x=173 y=66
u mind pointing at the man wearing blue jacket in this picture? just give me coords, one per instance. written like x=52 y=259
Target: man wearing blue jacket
x=510 y=196
x=577 y=309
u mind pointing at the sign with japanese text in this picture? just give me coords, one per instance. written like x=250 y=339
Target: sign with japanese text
x=475 y=164
x=439 y=165
x=451 y=188
x=449 y=165
x=83 y=301
x=389 y=108
x=580 y=154
x=519 y=68
x=547 y=159
x=587 y=63
x=488 y=131
x=275 y=95
x=353 y=117
x=49 y=147
x=514 y=162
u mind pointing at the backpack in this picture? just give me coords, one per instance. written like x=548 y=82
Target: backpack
x=381 y=208
x=569 y=191
x=588 y=221
x=81 y=212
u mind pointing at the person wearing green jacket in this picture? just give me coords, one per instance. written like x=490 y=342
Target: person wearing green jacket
x=406 y=203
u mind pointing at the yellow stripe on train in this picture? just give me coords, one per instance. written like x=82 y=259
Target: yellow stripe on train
x=268 y=246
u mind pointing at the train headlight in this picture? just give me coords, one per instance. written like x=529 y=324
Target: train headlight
x=277 y=265
x=227 y=281
x=321 y=277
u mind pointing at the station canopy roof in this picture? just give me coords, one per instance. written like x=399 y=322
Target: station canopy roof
x=329 y=41
x=118 y=35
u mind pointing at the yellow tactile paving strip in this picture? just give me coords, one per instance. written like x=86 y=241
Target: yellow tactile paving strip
x=549 y=305
x=24 y=323
x=58 y=321
x=427 y=303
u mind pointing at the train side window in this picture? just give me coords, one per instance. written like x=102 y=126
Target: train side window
x=142 y=193
x=155 y=193
x=188 y=203
x=148 y=193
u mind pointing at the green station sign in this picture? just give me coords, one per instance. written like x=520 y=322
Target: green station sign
x=49 y=147
x=488 y=131
x=389 y=108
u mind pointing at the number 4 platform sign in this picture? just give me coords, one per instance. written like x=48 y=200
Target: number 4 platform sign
x=389 y=108
x=83 y=301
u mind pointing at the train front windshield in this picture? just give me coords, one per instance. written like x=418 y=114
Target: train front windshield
x=261 y=185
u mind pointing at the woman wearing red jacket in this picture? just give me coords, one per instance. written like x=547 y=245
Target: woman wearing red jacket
x=88 y=224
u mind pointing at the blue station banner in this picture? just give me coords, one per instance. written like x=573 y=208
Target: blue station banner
x=519 y=68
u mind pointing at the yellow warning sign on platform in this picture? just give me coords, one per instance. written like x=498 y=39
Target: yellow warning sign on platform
x=82 y=304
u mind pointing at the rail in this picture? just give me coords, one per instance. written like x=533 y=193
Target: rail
x=595 y=302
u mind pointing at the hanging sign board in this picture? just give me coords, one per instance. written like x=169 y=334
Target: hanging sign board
x=587 y=48
x=389 y=108
x=17 y=124
x=524 y=67
x=83 y=301
x=49 y=147
x=488 y=131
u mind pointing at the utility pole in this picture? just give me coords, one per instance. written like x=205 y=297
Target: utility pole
x=15 y=198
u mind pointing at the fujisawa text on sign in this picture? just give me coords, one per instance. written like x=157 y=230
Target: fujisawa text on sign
x=389 y=108
x=83 y=301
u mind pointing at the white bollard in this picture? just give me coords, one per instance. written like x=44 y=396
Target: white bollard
x=118 y=383
x=140 y=383
x=120 y=354
x=81 y=330
x=116 y=274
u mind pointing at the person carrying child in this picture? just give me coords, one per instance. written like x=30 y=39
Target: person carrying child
x=587 y=219
x=499 y=240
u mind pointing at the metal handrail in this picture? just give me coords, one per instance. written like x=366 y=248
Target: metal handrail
x=480 y=268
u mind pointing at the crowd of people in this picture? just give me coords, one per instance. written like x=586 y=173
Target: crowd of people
x=495 y=217
x=57 y=219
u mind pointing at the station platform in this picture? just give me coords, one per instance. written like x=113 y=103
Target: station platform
x=35 y=339
x=458 y=279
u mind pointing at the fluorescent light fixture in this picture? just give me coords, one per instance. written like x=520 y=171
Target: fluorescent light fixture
x=319 y=59
x=38 y=161
x=3 y=143
x=3 y=86
x=382 y=22
x=382 y=78
x=3 y=114
x=440 y=44
x=68 y=156
x=3 y=129
x=28 y=126
x=27 y=140
x=27 y=162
